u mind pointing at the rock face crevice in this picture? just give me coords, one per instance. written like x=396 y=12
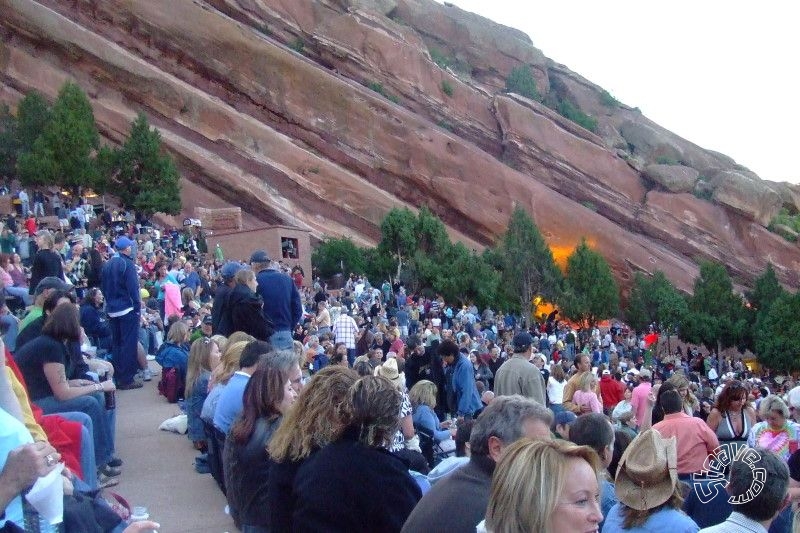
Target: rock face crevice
x=284 y=107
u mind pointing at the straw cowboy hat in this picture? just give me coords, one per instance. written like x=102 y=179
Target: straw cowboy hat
x=648 y=471
x=389 y=371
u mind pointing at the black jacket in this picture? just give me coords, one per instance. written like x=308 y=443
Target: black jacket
x=347 y=486
x=247 y=470
x=220 y=317
x=246 y=315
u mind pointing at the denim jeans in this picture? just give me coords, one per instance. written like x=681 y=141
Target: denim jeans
x=11 y=326
x=282 y=340
x=125 y=341
x=103 y=422
x=88 y=462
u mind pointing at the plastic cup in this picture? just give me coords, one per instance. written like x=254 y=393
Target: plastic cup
x=138 y=514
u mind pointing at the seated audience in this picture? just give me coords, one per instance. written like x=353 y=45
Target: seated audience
x=358 y=469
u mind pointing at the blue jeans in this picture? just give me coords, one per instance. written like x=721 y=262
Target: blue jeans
x=88 y=462
x=103 y=422
x=125 y=341
x=282 y=340
x=12 y=329
x=351 y=357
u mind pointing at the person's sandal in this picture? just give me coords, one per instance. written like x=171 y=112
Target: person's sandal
x=115 y=462
x=104 y=482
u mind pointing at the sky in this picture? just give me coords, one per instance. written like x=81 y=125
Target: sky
x=723 y=75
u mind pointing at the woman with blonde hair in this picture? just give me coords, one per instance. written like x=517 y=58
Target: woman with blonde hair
x=423 y=402
x=174 y=352
x=544 y=486
x=220 y=375
x=188 y=301
x=203 y=358
x=683 y=386
x=776 y=430
x=313 y=423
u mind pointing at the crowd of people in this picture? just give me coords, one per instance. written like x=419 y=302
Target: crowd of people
x=369 y=409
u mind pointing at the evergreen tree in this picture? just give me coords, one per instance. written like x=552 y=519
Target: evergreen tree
x=777 y=342
x=398 y=236
x=716 y=315
x=63 y=154
x=143 y=177
x=655 y=300
x=590 y=290
x=338 y=255
x=8 y=143
x=33 y=114
x=528 y=268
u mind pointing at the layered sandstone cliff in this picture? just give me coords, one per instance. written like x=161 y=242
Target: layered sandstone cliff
x=266 y=105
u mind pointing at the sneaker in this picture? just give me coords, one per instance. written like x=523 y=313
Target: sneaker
x=116 y=462
x=104 y=481
x=147 y=375
x=131 y=385
x=109 y=471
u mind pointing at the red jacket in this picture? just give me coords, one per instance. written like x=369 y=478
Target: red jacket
x=612 y=390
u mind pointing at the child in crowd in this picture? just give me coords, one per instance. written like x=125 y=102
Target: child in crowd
x=587 y=395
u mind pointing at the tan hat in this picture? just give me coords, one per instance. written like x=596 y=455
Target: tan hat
x=648 y=471
x=389 y=371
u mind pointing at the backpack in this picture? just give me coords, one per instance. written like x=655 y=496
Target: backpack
x=171 y=385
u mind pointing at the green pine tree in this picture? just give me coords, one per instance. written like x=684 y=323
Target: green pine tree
x=777 y=343
x=144 y=177
x=590 y=290
x=8 y=143
x=528 y=268
x=63 y=154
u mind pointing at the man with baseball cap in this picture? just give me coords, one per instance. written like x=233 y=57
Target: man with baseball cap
x=518 y=375
x=220 y=317
x=123 y=305
x=282 y=304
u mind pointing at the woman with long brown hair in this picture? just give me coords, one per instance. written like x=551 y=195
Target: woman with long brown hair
x=731 y=418
x=57 y=381
x=267 y=398
x=314 y=422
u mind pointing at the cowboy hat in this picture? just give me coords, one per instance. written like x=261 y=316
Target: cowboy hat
x=389 y=371
x=648 y=471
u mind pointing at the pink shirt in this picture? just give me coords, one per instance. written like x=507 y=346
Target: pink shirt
x=639 y=399
x=695 y=440
x=589 y=398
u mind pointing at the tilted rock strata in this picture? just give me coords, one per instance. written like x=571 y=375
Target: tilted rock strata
x=260 y=126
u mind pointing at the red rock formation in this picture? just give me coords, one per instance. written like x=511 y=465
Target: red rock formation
x=301 y=140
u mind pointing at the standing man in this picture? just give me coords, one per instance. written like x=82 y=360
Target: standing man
x=466 y=400
x=345 y=330
x=282 y=305
x=640 y=394
x=220 y=315
x=123 y=305
x=518 y=375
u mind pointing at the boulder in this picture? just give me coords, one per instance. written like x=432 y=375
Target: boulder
x=750 y=197
x=674 y=178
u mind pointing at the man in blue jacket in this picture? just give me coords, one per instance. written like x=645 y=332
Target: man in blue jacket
x=123 y=306
x=467 y=401
x=282 y=304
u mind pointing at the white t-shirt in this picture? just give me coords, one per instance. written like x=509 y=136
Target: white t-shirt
x=555 y=390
